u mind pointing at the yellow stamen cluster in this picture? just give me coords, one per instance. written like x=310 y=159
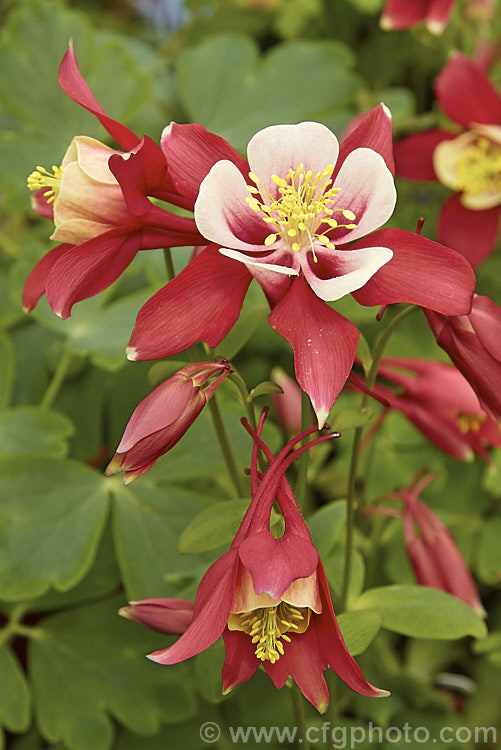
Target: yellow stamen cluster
x=479 y=168
x=267 y=626
x=470 y=422
x=306 y=202
x=41 y=177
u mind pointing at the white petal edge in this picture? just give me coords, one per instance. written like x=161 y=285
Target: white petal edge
x=235 y=255
x=359 y=266
x=367 y=189
x=277 y=148
x=221 y=210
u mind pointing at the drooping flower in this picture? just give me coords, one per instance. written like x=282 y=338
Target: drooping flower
x=439 y=402
x=163 y=417
x=270 y=599
x=99 y=198
x=403 y=14
x=468 y=162
x=473 y=342
x=432 y=551
x=171 y=616
x=294 y=223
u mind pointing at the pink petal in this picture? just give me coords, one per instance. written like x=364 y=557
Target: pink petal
x=241 y=661
x=278 y=148
x=373 y=131
x=275 y=563
x=273 y=277
x=402 y=14
x=202 y=302
x=304 y=661
x=421 y=272
x=261 y=262
x=73 y=84
x=438 y=15
x=350 y=269
x=171 y=616
x=87 y=269
x=210 y=613
x=465 y=93
x=36 y=281
x=414 y=154
x=191 y=151
x=485 y=317
x=39 y=204
x=324 y=344
x=367 y=189
x=223 y=216
x=471 y=233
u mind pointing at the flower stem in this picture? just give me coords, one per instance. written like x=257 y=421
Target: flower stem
x=57 y=380
x=300 y=486
x=169 y=265
x=355 y=451
x=298 y=710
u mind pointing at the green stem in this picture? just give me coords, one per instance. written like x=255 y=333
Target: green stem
x=298 y=710
x=300 y=486
x=57 y=380
x=225 y=446
x=169 y=265
x=350 y=509
x=13 y=627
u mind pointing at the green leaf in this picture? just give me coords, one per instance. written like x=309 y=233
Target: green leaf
x=422 y=612
x=264 y=388
x=334 y=567
x=7 y=370
x=489 y=552
x=359 y=629
x=52 y=514
x=88 y=665
x=208 y=668
x=251 y=317
x=326 y=526
x=347 y=419
x=28 y=429
x=213 y=527
x=15 y=700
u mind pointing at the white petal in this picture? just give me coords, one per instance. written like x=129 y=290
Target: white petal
x=221 y=213
x=367 y=189
x=261 y=264
x=353 y=269
x=278 y=148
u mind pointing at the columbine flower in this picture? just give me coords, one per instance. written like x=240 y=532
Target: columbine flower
x=440 y=402
x=163 y=417
x=270 y=599
x=403 y=14
x=432 y=551
x=473 y=342
x=294 y=222
x=469 y=163
x=171 y=616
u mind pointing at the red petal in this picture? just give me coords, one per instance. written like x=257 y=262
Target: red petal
x=210 y=613
x=414 y=154
x=373 y=131
x=402 y=14
x=438 y=14
x=202 y=302
x=163 y=615
x=87 y=269
x=421 y=272
x=304 y=662
x=36 y=281
x=73 y=84
x=275 y=563
x=40 y=205
x=241 y=661
x=465 y=93
x=191 y=151
x=485 y=318
x=324 y=344
x=471 y=233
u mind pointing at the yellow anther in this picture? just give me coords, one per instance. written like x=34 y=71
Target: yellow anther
x=268 y=626
x=470 y=422
x=278 y=180
x=292 y=232
x=252 y=189
x=41 y=178
x=270 y=239
x=348 y=214
x=296 y=247
x=479 y=168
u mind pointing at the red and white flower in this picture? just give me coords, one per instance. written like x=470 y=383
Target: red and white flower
x=403 y=14
x=468 y=161
x=270 y=598
x=295 y=222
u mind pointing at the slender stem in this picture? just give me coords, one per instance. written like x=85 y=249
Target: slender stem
x=13 y=626
x=355 y=451
x=246 y=397
x=225 y=446
x=169 y=265
x=300 y=486
x=298 y=709
x=57 y=380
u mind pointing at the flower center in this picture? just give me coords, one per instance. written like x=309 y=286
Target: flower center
x=479 y=168
x=470 y=422
x=267 y=626
x=41 y=177
x=306 y=202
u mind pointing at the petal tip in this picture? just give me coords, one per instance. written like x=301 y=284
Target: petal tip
x=131 y=353
x=385 y=23
x=435 y=27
